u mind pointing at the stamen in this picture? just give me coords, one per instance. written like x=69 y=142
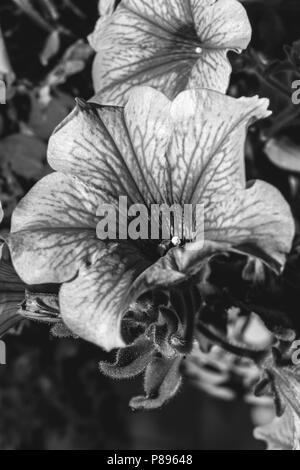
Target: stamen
x=176 y=241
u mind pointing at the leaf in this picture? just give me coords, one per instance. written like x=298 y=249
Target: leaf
x=9 y=307
x=284 y=382
x=41 y=306
x=59 y=330
x=293 y=54
x=25 y=153
x=51 y=47
x=130 y=361
x=281 y=434
x=27 y=8
x=6 y=70
x=73 y=61
x=162 y=381
x=275 y=299
x=46 y=114
x=173 y=46
x=11 y=291
x=284 y=153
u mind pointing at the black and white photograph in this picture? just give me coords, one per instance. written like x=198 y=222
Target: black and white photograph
x=150 y=228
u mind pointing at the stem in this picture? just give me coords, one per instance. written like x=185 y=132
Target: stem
x=27 y=8
x=283 y=119
x=259 y=70
x=256 y=355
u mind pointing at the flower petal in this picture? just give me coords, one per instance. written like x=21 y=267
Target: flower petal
x=91 y=147
x=211 y=128
x=55 y=242
x=120 y=152
x=158 y=44
x=106 y=7
x=50 y=239
x=93 y=304
x=256 y=219
x=207 y=151
x=214 y=69
x=222 y=23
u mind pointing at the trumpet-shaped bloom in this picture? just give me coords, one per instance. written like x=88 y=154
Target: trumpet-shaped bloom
x=186 y=151
x=171 y=45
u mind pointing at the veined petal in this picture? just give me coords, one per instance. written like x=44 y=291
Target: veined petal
x=257 y=219
x=64 y=202
x=90 y=146
x=207 y=157
x=120 y=152
x=163 y=44
x=106 y=7
x=213 y=69
x=207 y=151
x=50 y=240
x=93 y=304
x=55 y=242
x=222 y=24
x=148 y=120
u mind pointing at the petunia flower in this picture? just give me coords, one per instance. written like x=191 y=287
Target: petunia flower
x=154 y=150
x=146 y=294
x=171 y=45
